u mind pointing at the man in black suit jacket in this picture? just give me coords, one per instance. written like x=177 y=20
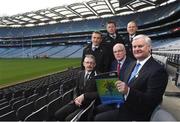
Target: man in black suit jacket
x=111 y=38
x=144 y=91
x=84 y=93
x=132 y=32
x=98 y=51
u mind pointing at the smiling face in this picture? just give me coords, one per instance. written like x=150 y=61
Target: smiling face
x=132 y=28
x=141 y=48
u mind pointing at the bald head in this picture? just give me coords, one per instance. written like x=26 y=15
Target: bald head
x=119 y=51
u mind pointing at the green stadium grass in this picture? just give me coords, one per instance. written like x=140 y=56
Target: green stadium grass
x=14 y=71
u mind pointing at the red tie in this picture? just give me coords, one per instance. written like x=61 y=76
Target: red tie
x=118 y=69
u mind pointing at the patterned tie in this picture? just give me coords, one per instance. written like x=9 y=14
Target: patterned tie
x=118 y=69
x=134 y=72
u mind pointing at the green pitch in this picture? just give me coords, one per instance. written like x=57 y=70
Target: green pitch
x=13 y=71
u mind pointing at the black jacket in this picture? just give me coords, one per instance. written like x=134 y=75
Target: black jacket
x=100 y=54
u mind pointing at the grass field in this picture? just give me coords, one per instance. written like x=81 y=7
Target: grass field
x=19 y=70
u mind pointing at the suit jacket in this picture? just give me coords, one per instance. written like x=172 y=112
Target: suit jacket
x=128 y=46
x=89 y=90
x=123 y=67
x=100 y=54
x=109 y=42
x=146 y=90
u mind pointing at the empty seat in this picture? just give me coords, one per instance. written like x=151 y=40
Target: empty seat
x=39 y=115
x=53 y=106
x=5 y=109
x=10 y=116
x=53 y=95
x=25 y=110
x=159 y=114
x=85 y=114
x=32 y=98
x=40 y=102
x=68 y=96
x=4 y=104
x=18 y=104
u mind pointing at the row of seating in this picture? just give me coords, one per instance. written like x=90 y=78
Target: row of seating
x=41 y=109
x=35 y=98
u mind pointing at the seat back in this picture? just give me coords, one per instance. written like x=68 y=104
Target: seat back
x=25 y=110
x=53 y=106
x=10 y=116
x=39 y=115
x=159 y=114
x=85 y=114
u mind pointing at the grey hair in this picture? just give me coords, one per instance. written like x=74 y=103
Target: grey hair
x=90 y=56
x=146 y=38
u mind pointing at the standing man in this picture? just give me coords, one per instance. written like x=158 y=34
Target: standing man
x=84 y=93
x=111 y=39
x=132 y=32
x=143 y=86
x=98 y=51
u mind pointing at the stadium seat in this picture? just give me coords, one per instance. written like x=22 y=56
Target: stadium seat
x=18 y=104
x=32 y=98
x=159 y=114
x=53 y=106
x=68 y=96
x=85 y=114
x=5 y=109
x=40 y=102
x=4 y=104
x=53 y=95
x=39 y=115
x=24 y=111
x=10 y=116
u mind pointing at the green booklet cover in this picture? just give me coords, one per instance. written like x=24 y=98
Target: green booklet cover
x=106 y=88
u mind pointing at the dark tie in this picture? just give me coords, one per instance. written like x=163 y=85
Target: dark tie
x=86 y=78
x=118 y=69
x=134 y=72
x=130 y=38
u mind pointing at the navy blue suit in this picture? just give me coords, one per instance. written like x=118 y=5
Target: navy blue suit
x=146 y=92
x=123 y=67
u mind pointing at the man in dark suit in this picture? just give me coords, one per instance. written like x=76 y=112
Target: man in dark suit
x=143 y=86
x=98 y=51
x=120 y=59
x=132 y=32
x=111 y=38
x=120 y=64
x=84 y=93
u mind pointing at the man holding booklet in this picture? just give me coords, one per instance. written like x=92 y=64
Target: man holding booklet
x=143 y=85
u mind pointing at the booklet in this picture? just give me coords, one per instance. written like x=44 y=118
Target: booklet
x=106 y=88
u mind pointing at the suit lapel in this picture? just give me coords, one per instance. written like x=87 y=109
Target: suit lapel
x=142 y=71
x=128 y=71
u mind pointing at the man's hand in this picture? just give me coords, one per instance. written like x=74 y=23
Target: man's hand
x=121 y=87
x=78 y=101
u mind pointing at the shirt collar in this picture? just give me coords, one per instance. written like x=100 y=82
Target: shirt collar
x=122 y=61
x=143 y=61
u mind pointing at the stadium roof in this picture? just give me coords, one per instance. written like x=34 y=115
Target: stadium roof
x=79 y=11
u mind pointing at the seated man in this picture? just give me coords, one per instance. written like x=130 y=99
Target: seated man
x=143 y=86
x=84 y=93
x=120 y=64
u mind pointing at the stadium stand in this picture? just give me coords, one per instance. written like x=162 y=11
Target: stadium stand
x=66 y=40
